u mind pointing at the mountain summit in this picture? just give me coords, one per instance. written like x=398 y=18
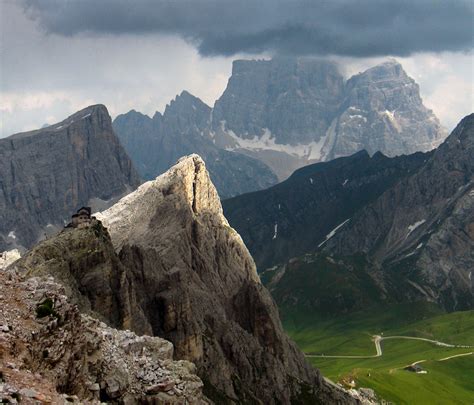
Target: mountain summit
x=202 y=283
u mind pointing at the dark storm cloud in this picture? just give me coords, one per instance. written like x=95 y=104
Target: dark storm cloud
x=223 y=27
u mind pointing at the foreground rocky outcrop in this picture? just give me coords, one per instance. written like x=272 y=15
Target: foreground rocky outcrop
x=50 y=353
x=47 y=173
x=174 y=268
x=9 y=257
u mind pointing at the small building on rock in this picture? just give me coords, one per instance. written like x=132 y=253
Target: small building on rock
x=81 y=219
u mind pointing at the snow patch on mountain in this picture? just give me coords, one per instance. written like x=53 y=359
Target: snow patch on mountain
x=333 y=232
x=275 y=231
x=412 y=227
x=310 y=151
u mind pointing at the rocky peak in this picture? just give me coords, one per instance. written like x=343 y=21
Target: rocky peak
x=187 y=111
x=95 y=115
x=78 y=161
x=385 y=87
x=133 y=119
x=461 y=139
x=383 y=111
x=389 y=69
x=189 y=183
x=186 y=185
x=289 y=112
x=178 y=271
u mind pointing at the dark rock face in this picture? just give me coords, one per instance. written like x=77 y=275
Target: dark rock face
x=156 y=144
x=46 y=174
x=183 y=274
x=295 y=216
x=421 y=229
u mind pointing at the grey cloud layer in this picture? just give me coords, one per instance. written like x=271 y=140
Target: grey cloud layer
x=225 y=27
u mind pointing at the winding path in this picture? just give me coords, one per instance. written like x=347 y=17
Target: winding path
x=377 y=339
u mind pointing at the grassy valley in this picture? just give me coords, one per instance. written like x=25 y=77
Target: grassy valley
x=447 y=375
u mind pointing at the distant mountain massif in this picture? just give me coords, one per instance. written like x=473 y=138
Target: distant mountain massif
x=281 y=114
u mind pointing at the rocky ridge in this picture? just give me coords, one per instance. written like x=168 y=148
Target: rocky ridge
x=295 y=216
x=174 y=268
x=47 y=173
x=50 y=353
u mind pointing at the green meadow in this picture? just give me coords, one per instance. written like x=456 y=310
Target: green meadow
x=448 y=381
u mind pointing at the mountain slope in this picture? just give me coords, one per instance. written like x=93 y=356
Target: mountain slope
x=47 y=173
x=423 y=226
x=172 y=267
x=295 y=216
x=155 y=144
x=398 y=230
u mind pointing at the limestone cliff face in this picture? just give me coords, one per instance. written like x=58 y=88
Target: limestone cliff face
x=46 y=174
x=295 y=99
x=278 y=115
x=202 y=291
x=174 y=268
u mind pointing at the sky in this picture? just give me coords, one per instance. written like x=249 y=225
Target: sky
x=58 y=56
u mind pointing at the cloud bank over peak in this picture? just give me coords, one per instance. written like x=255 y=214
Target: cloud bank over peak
x=361 y=28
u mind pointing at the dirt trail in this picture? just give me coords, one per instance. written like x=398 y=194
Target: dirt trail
x=377 y=339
